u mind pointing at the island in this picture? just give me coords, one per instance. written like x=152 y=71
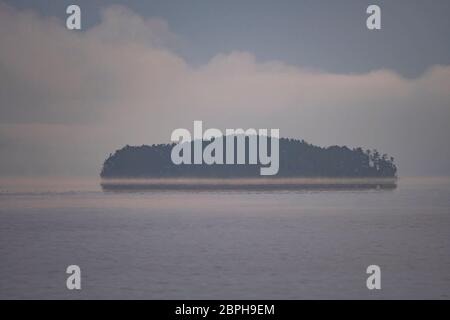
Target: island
x=300 y=164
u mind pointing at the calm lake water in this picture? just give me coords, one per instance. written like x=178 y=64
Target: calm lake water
x=295 y=244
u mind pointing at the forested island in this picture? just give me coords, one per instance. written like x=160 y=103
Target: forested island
x=297 y=159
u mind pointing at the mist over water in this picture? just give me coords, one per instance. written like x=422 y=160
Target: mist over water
x=224 y=244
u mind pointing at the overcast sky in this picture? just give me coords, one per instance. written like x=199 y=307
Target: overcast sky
x=140 y=69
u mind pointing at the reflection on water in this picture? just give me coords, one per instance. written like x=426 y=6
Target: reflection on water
x=259 y=184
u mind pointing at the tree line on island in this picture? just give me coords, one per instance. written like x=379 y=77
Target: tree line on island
x=297 y=158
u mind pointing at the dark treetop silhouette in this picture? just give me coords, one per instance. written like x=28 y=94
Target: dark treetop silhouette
x=297 y=159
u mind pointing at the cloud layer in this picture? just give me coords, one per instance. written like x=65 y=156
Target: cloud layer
x=69 y=98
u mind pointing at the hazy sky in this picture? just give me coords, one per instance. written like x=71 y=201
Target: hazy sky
x=140 y=69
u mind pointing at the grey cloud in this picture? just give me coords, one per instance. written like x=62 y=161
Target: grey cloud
x=70 y=98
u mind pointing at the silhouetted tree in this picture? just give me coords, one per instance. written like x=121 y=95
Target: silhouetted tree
x=297 y=159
